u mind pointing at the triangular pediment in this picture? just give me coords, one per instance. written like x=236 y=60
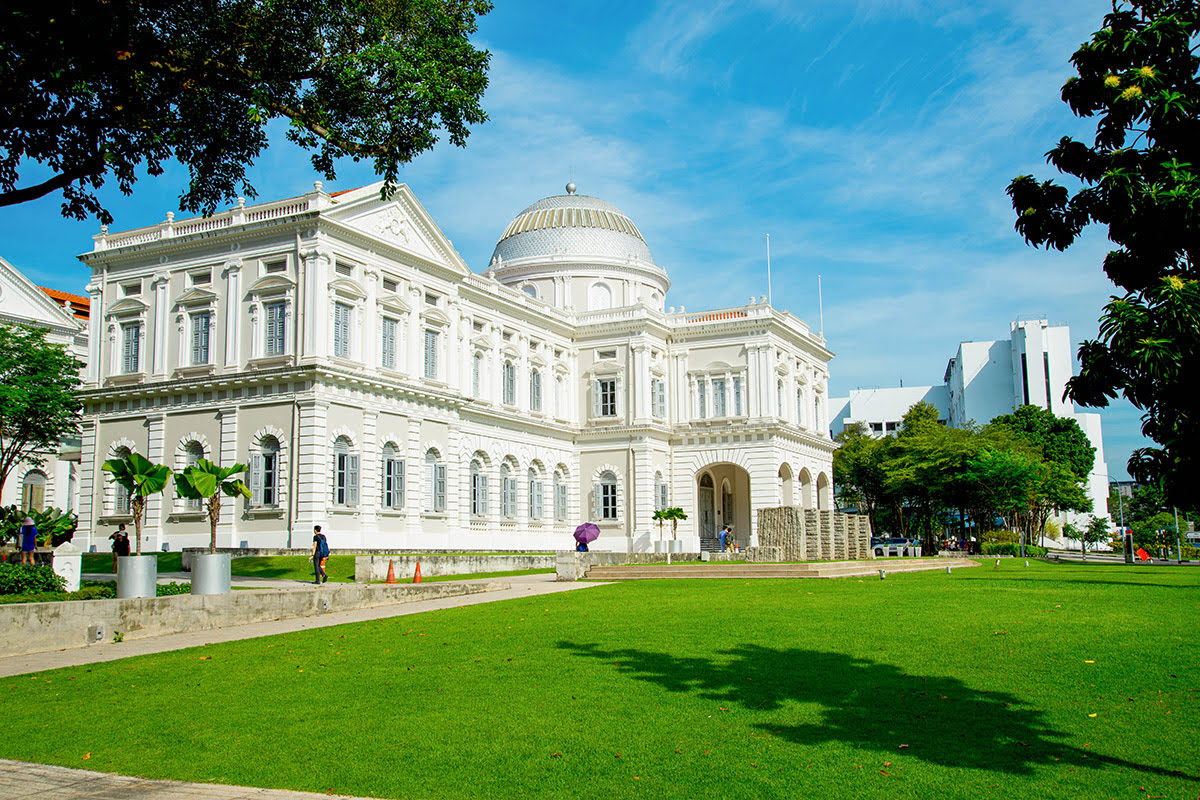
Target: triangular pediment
x=393 y=303
x=401 y=222
x=196 y=297
x=127 y=305
x=271 y=283
x=21 y=299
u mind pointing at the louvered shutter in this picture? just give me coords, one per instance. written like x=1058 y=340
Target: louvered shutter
x=439 y=488
x=338 y=476
x=256 y=479
x=597 y=501
x=560 y=501
x=352 y=480
x=398 y=483
x=431 y=354
x=595 y=398
x=483 y=494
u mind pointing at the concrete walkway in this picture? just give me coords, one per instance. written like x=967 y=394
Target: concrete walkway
x=522 y=586
x=21 y=781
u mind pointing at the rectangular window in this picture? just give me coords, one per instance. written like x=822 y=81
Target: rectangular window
x=508 y=497
x=660 y=398
x=701 y=398
x=479 y=493
x=387 y=344
x=341 y=330
x=560 y=501
x=663 y=498
x=608 y=500
x=606 y=397
x=132 y=334
x=131 y=289
x=200 y=328
x=345 y=479
x=1046 y=365
x=510 y=384
x=275 y=266
x=201 y=278
x=535 y=391
x=737 y=396
x=431 y=299
x=389 y=285
x=718 y=387
x=607 y=355
x=435 y=487
x=476 y=374
x=276 y=314
x=431 y=354
x=264 y=478
x=393 y=482
x=344 y=269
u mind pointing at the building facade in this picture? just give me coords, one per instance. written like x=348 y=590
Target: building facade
x=984 y=380
x=374 y=384
x=54 y=482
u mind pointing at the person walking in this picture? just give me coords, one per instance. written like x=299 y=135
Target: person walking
x=116 y=537
x=28 y=541
x=723 y=536
x=320 y=555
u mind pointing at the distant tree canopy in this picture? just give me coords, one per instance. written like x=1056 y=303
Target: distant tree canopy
x=1012 y=473
x=1140 y=176
x=91 y=89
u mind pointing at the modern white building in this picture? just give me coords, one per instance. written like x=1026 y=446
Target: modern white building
x=54 y=483
x=376 y=385
x=984 y=380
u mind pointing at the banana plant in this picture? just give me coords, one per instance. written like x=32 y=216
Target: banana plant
x=207 y=481
x=141 y=478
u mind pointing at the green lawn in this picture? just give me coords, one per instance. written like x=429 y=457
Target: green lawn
x=102 y=562
x=340 y=569
x=1052 y=681
x=476 y=575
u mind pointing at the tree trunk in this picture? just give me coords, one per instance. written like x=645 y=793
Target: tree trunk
x=214 y=514
x=137 y=506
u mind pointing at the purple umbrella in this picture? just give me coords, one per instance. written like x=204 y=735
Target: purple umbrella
x=587 y=532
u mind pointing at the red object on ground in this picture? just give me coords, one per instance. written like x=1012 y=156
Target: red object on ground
x=391 y=578
x=417 y=576
x=1143 y=555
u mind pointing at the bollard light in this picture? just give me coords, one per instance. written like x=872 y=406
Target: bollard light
x=882 y=574
x=947 y=570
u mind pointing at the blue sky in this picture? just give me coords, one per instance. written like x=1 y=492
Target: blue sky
x=873 y=140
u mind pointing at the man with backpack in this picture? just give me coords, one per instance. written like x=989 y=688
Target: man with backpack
x=320 y=554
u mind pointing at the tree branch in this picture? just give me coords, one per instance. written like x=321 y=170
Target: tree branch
x=15 y=196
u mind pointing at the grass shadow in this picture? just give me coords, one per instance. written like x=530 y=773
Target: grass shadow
x=869 y=705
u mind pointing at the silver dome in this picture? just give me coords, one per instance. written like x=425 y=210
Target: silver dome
x=571 y=227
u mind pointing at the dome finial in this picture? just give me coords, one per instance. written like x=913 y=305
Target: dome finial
x=571 y=187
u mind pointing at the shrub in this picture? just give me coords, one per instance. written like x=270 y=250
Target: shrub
x=1000 y=536
x=26 y=579
x=85 y=593
x=1011 y=549
x=168 y=589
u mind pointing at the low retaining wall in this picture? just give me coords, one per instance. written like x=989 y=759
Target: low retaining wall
x=375 y=567
x=572 y=565
x=247 y=552
x=36 y=627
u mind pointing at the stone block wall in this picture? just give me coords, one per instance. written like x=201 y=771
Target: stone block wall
x=805 y=534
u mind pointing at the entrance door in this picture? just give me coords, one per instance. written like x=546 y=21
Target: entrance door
x=708 y=522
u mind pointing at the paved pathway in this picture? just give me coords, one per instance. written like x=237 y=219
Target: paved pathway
x=521 y=586
x=21 y=781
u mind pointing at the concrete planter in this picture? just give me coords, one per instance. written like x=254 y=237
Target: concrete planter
x=675 y=546
x=660 y=547
x=137 y=576
x=210 y=573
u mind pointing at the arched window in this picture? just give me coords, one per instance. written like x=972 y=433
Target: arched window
x=120 y=493
x=560 y=497
x=508 y=492
x=477 y=376
x=599 y=297
x=345 y=473
x=194 y=451
x=779 y=411
x=800 y=407
x=264 y=473
x=661 y=495
x=33 y=491
x=817 y=423
x=726 y=503
x=530 y=290
x=510 y=384
x=606 y=496
x=535 y=390
x=393 y=477
x=435 y=483
x=536 y=491
x=479 y=489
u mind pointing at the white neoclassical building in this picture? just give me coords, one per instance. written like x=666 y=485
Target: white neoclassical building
x=376 y=385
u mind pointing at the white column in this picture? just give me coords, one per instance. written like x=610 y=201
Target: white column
x=453 y=348
x=312 y=466
x=227 y=418
x=370 y=493
x=158 y=354
x=114 y=348
x=96 y=314
x=315 y=322
x=639 y=383
x=414 y=471
x=87 y=481
x=233 y=312
x=370 y=333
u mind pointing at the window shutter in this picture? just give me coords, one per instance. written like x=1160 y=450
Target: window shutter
x=439 y=490
x=398 y=483
x=597 y=501
x=595 y=398
x=256 y=479
x=483 y=494
x=352 y=480
x=335 y=478
x=430 y=354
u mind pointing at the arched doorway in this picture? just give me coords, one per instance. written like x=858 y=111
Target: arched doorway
x=786 y=492
x=723 y=498
x=806 y=489
x=824 y=495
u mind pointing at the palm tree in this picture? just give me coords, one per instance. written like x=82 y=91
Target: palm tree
x=673 y=514
x=205 y=480
x=141 y=479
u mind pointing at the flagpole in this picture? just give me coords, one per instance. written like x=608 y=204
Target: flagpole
x=769 y=269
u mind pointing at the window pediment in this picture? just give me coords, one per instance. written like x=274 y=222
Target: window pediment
x=347 y=288
x=605 y=368
x=128 y=307
x=395 y=304
x=432 y=316
x=510 y=352
x=196 y=297
x=271 y=284
x=537 y=361
x=481 y=343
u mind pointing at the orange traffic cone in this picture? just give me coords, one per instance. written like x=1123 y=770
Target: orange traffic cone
x=391 y=578
x=417 y=576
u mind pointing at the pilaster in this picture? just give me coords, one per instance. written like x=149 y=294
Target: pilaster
x=312 y=464
x=233 y=312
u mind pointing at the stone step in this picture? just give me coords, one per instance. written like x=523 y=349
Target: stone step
x=828 y=569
